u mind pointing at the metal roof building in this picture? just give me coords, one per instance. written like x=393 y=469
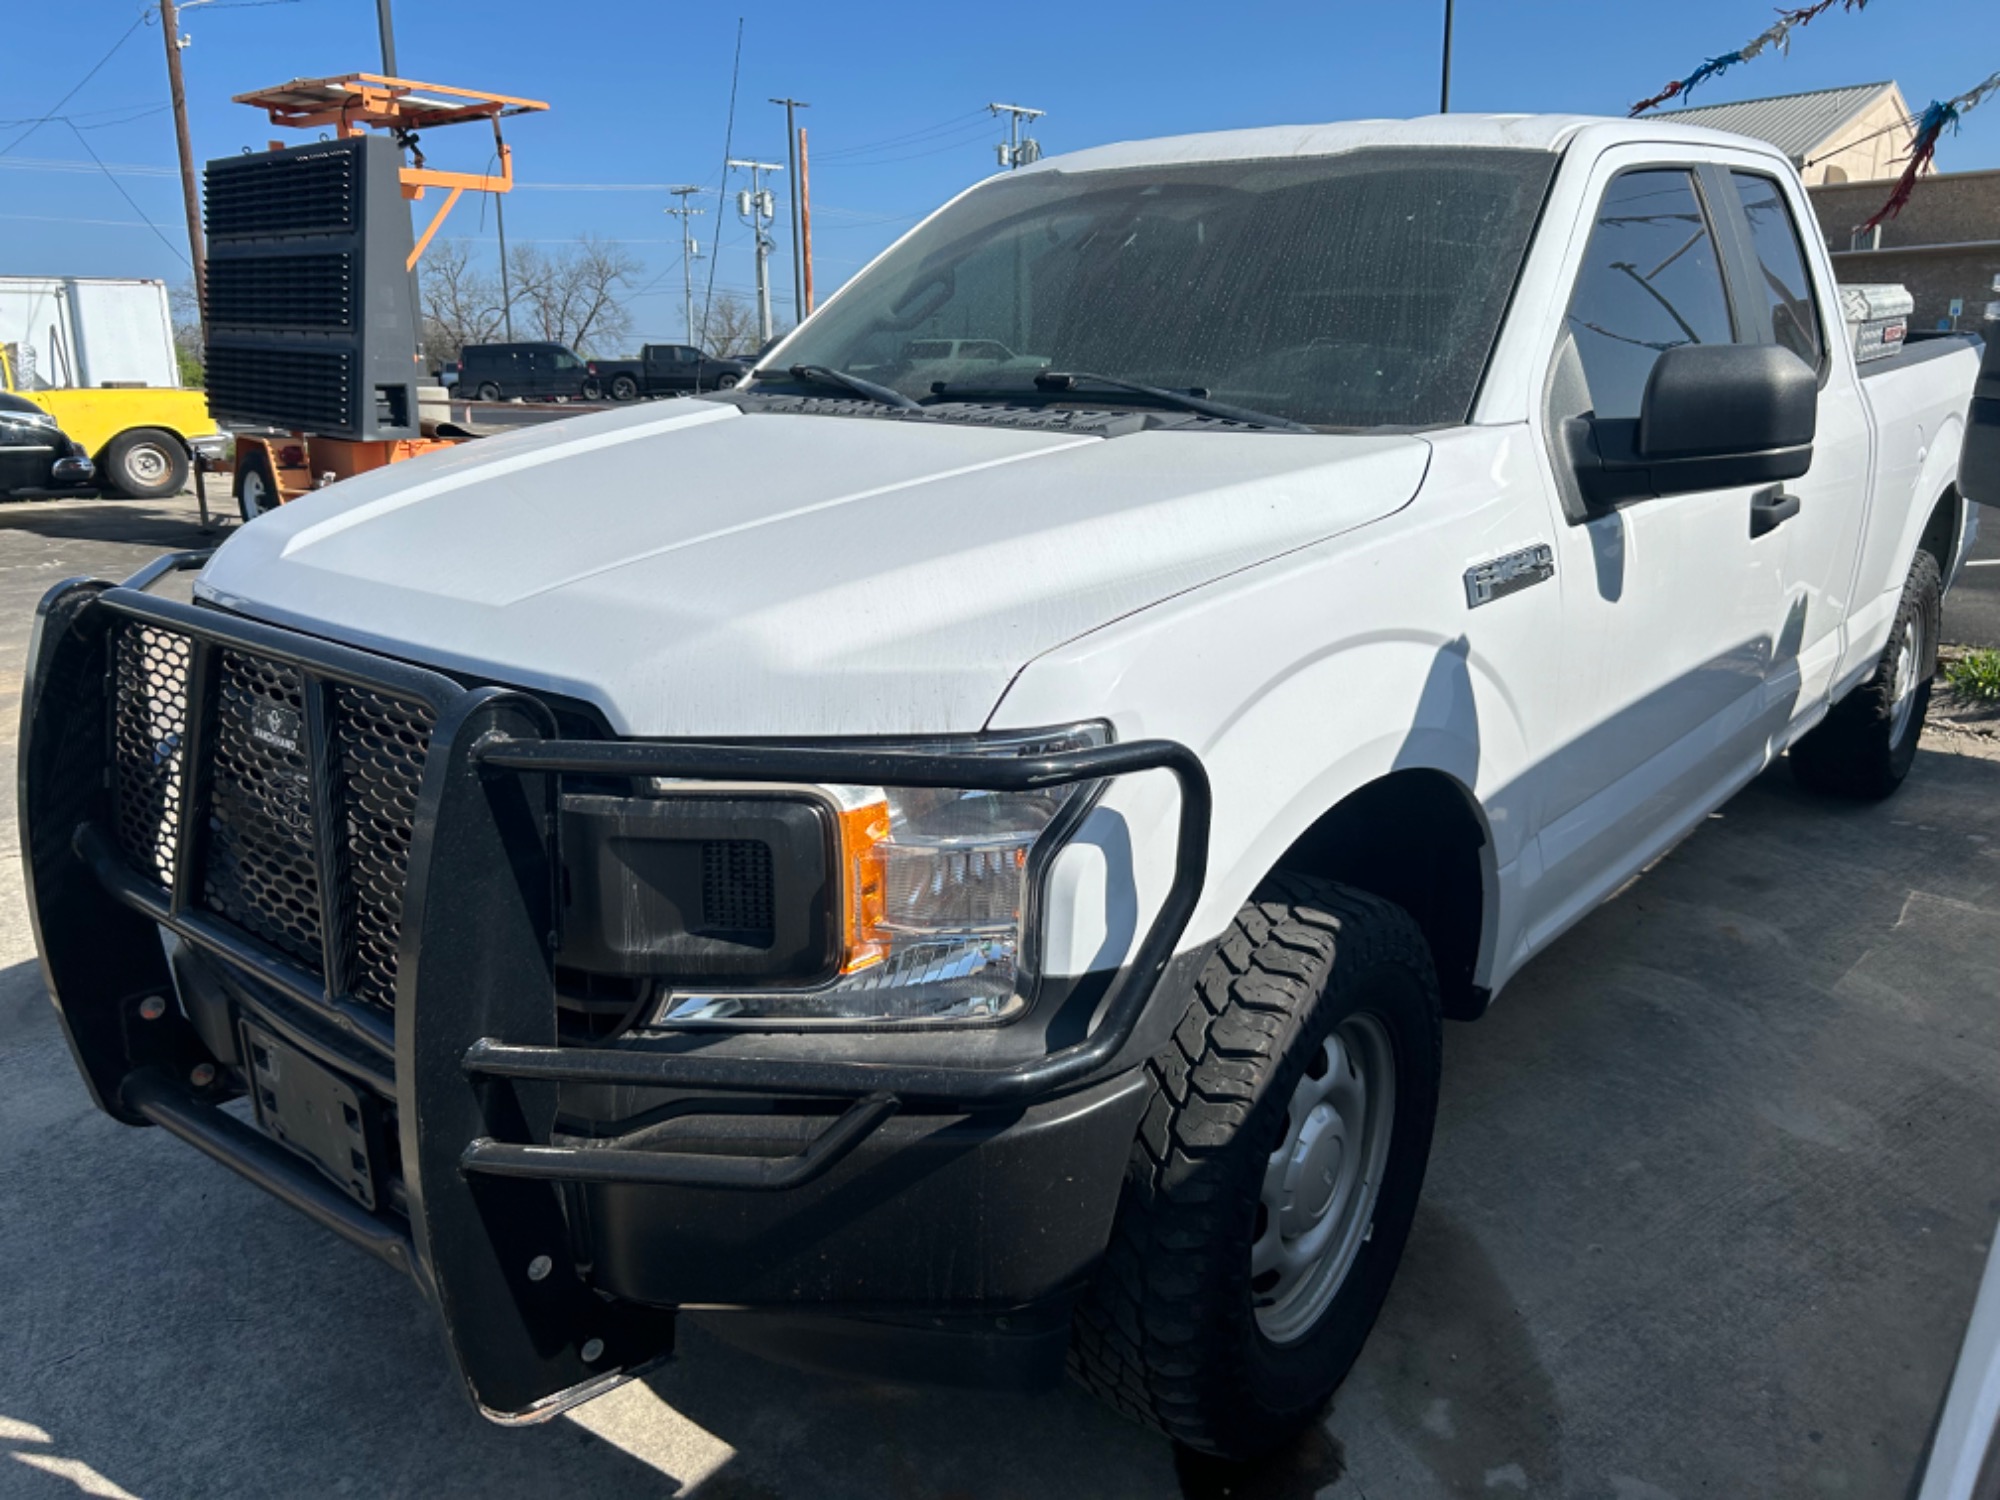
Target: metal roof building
x=1851 y=134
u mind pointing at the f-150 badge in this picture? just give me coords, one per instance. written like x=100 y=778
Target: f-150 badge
x=1487 y=581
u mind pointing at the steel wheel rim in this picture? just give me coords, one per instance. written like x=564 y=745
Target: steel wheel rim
x=255 y=499
x=1317 y=1206
x=1903 y=703
x=147 y=465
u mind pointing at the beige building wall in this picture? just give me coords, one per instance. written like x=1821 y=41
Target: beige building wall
x=1868 y=148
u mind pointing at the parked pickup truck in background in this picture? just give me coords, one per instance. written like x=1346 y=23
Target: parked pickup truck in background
x=666 y=370
x=987 y=895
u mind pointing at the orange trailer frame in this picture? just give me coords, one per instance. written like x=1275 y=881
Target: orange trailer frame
x=354 y=104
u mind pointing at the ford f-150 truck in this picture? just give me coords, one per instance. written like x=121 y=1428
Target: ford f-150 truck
x=988 y=894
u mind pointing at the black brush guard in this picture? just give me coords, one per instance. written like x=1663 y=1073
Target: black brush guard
x=470 y=1058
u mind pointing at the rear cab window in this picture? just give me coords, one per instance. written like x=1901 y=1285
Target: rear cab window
x=1790 y=315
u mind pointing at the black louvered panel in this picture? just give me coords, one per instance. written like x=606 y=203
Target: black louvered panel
x=309 y=389
x=267 y=292
x=260 y=872
x=260 y=197
x=149 y=730
x=378 y=754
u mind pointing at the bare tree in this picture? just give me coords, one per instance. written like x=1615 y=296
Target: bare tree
x=461 y=302
x=573 y=297
x=729 y=326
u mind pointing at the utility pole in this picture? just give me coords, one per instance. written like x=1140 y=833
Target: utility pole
x=1017 y=152
x=387 y=26
x=798 y=252
x=170 y=27
x=758 y=209
x=1445 y=87
x=689 y=249
x=506 y=296
x=806 y=221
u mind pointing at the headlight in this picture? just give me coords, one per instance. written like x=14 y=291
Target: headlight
x=935 y=894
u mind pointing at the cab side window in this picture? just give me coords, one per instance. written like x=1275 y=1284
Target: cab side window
x=1781 y=262
x=1651 y=281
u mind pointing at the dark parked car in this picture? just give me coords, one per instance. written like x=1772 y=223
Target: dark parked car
x=667 y=370
x=35 y=454
x=495 y=372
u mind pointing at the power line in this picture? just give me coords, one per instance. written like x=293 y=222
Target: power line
x=113 y=180
x=38 y=123
x=728 y=150
x=954 y=124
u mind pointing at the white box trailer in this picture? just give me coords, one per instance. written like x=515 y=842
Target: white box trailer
x=88 y=331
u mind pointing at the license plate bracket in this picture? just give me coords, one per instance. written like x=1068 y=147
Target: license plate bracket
x=315 y=1112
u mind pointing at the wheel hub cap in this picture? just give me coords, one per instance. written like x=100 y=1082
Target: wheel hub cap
x=1317 y=1207
x=1903 y=689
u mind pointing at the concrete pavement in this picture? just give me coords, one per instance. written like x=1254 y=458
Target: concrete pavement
x=1711 y=1193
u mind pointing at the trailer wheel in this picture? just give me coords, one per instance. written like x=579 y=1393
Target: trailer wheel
x=146 y=464
x=256 y=489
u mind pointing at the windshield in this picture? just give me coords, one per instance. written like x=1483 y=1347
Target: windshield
x=1351 y=291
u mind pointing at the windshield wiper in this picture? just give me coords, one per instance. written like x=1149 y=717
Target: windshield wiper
x=827 y=375
x=1069 y=380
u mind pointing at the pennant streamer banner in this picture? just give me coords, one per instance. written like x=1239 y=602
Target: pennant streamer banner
x=1778 y=36
x=1931 y=124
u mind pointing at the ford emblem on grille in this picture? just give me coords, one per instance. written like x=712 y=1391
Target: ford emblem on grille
x=275 y=725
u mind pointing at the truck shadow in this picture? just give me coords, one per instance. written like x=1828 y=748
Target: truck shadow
x=171 y=525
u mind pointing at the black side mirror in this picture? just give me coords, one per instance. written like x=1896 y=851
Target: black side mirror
x=1714 y=416
x=1979 y=463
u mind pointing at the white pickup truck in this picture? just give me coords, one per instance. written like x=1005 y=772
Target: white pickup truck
x=953 y=867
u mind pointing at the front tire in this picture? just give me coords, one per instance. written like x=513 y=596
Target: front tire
x=146 y=464
x=1867 y=743
x=1275 y=1176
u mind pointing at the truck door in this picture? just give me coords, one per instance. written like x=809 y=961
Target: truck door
x=1673 y=614
x=1821 y=543
x=683 y=371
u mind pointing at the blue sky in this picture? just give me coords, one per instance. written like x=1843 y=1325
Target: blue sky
x=639 y=91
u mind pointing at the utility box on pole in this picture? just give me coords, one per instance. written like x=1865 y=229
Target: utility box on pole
x=758 y=208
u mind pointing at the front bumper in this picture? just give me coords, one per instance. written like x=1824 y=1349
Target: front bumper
x=866 y=1174
x=75 y=469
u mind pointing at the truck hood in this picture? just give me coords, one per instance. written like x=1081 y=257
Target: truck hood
x=696 y=570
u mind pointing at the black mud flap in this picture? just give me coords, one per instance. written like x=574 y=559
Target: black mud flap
x=475 y=961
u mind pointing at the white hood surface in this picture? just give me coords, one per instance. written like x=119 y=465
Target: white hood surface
x=697 y=571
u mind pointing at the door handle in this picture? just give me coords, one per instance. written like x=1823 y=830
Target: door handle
x=1771 y=509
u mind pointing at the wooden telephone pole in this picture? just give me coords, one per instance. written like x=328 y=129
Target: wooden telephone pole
x=170 y=27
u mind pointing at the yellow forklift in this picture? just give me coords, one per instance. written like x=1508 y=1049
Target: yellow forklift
x=313 y=317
